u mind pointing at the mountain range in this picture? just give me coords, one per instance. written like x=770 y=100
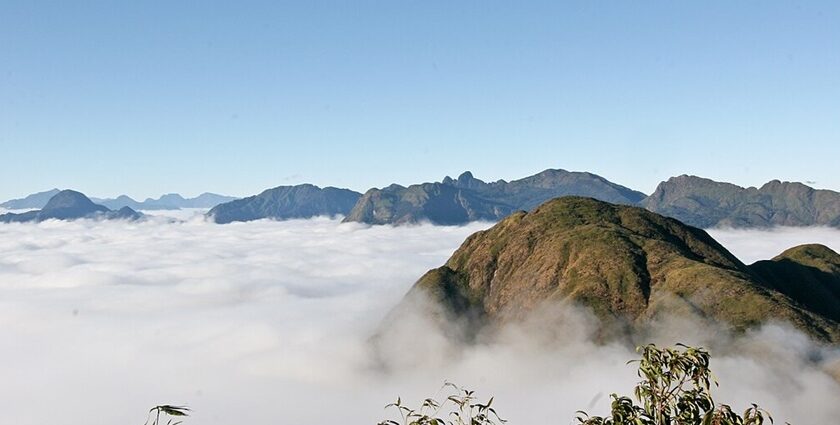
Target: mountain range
x=706 y=203
x=71 y=205
x=630 y=267
x=172 y=201
x=458 y=201
x=693 y=200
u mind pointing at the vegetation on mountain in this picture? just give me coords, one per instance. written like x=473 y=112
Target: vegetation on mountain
x=627 y=265
x=809 y=274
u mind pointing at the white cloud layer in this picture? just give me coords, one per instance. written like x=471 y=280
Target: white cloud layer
x=268 y=322
x=753 y=245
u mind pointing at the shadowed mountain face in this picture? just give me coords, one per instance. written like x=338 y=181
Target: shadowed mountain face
x=458 y=201
x=629 y=266
x=286 y=202
x=70 y=205
x=35 y=200
x=807 y=273
x=439 y=203
x=706 y=203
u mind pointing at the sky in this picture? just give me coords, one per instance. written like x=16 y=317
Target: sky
x=145 y=98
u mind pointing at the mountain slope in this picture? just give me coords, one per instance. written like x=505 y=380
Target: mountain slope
x=438 y=203
x=35 y=200
x=807 y=273
x=529 y=192
x=70 y=205
x=706 y=203
x=286 y=202
x=626 y=264
x=457 y=201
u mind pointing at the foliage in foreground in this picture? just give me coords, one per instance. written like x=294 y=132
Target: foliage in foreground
x=462 y=405
x=675 y=390
x=170 y=414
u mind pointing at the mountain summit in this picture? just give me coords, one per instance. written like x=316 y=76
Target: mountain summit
x=457 y=201
x=70 y=205
x=629 y=266
x=706 y=203
x=286 y=202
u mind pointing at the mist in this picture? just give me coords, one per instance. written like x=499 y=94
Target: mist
x=753 y=245
x=269 y=322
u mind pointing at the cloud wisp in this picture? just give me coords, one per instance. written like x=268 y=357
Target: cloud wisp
x=268 y=322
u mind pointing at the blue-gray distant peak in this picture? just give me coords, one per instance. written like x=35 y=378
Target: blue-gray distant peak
x=72 y=200
x=125 y=213
x=170 y=201
x=170 y=197
x=286 y=202
x=35 y=200
x=71 y=205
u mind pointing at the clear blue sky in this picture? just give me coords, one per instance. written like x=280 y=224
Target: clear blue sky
x=149 y=97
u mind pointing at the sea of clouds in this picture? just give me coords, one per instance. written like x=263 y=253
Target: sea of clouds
x=270 y=322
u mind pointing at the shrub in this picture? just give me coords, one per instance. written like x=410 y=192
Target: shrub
x=464 y=409
x=675 y=390
x=168 y=411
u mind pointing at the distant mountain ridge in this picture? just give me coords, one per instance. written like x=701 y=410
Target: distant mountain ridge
x=706 y=203
x=71 y=205
x=35 y=200
x=170 y=201
x=287 y=202
x=693 y=200
x=458 y=201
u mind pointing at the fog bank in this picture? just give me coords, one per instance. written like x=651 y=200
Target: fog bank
x=268 y=322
